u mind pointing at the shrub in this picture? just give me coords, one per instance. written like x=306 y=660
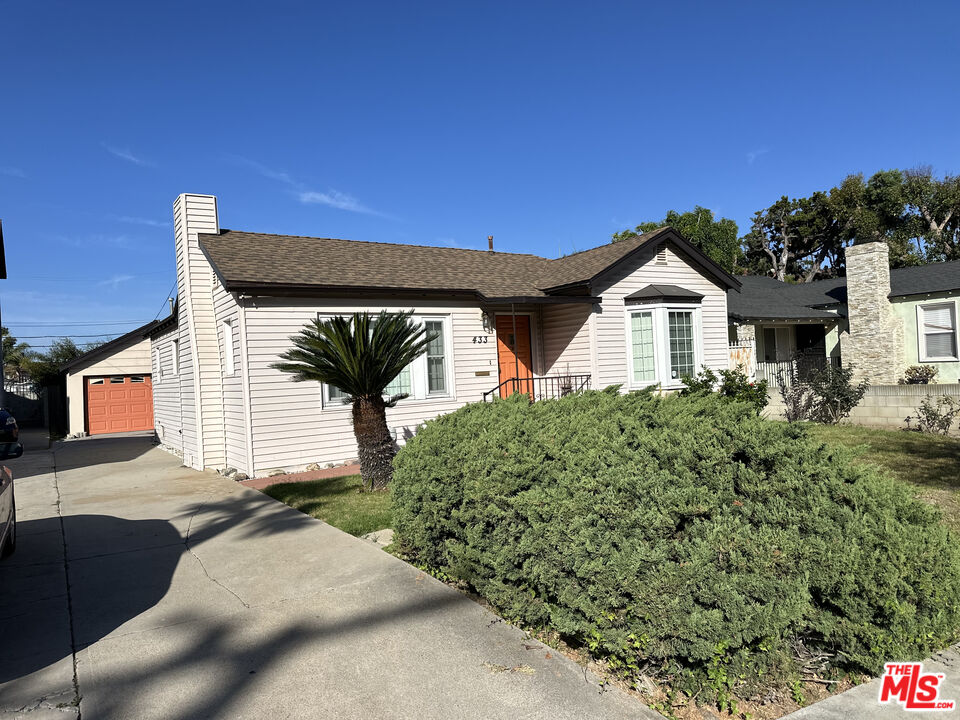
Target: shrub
x=798 y=401
x=834 y=394
x=936 y=418
x=732 y=384
x=682 y=536
x=918 y=375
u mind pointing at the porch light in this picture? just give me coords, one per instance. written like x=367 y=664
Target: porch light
x=487 y=322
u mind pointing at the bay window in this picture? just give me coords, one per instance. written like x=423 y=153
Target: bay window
x=665 y=344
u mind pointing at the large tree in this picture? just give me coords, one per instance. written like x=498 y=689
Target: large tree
x=360 y=355
x=803 y=239
x=44 y=368
x=935 y=206
x=718 y=239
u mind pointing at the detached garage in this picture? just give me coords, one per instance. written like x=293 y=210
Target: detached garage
x=110 y=389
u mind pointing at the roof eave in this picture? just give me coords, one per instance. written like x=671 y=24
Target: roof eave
x=138 y=334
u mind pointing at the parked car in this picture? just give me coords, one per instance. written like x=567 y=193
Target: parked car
x=9 y=430
x=10 y=447
x=8 y=514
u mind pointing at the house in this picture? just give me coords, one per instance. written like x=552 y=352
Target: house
x=635 y=313
x=109 y=389
x=876 y=320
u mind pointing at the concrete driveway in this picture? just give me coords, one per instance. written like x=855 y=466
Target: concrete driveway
x=142 y=589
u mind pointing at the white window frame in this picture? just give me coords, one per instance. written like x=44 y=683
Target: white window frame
x=922 y=335
x=175 y=352
x=661 y=342
x=229 y=361
x=419 y=391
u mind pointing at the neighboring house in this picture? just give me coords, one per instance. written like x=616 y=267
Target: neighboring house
x=875 y=320
x=109 y=388
x=635 y=313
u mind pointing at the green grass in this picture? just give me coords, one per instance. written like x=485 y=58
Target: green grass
x=338 y=502
x=929 y=463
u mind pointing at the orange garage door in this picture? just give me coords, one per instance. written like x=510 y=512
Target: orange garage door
x=121 y=403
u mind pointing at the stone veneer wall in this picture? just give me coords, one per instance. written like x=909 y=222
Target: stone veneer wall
x=873 y=347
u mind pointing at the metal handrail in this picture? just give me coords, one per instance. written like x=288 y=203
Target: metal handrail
x=540 y=388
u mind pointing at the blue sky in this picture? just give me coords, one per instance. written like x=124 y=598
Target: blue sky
x=547 y=124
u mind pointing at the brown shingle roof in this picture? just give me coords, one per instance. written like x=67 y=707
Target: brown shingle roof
x=587 y=264
x=260 y=261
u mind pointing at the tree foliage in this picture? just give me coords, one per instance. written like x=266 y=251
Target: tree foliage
x=718 y=239
x=803 y=239
x=44 y=368
x=16 y=356
x=361 y=355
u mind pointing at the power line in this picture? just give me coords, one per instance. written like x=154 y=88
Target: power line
x=40 y=337
x=65 y=323
x=169 y=295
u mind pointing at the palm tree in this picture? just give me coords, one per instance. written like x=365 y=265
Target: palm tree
x=360 y=355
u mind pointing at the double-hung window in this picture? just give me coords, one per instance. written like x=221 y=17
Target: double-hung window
x=937 y=332
x=429 y=376
x=664 y=344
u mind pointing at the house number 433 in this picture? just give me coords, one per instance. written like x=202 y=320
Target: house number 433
x=479 y=339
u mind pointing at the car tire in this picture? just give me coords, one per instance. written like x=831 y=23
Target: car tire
x=11 y=543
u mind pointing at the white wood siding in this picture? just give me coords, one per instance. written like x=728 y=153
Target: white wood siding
x=566 y=339
x=290 y=426
x=234 y=413
x=132 y=359
x=201 y=390
x=640 y=271
x=166 y=392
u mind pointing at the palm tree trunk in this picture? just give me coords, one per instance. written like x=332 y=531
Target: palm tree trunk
x=375 y=445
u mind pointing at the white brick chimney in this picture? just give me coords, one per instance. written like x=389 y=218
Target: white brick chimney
x=875 y=344
x=201 y=391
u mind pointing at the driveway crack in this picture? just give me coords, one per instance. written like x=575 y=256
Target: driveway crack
x=186 y=543
x=66 y=573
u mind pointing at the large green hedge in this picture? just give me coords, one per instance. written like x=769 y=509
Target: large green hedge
x=682 y=536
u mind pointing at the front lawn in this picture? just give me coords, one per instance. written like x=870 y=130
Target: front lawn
x=338 y=502
x=929 y=463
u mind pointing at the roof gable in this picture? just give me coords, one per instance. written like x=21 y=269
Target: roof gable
x=115 y=345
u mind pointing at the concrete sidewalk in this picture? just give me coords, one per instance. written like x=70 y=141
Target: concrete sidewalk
x=142 y=589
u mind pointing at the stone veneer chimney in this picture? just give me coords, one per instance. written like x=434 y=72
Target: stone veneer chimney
x=874 y=346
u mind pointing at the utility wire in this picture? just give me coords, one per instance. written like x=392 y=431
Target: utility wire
x=169 y=295
x=65 y=323
x=40 y=337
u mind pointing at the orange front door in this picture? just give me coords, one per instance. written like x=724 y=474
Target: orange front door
x=514 y=353
x=121 y=403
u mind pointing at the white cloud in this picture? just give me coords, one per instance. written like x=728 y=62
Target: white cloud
x=269 y=173
x=754 y=154
x=11 y=171
x=331 y=198
x=335 y=199
x=114 y=282
x=449 y=242
x=149 y=222
x=126 y=154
